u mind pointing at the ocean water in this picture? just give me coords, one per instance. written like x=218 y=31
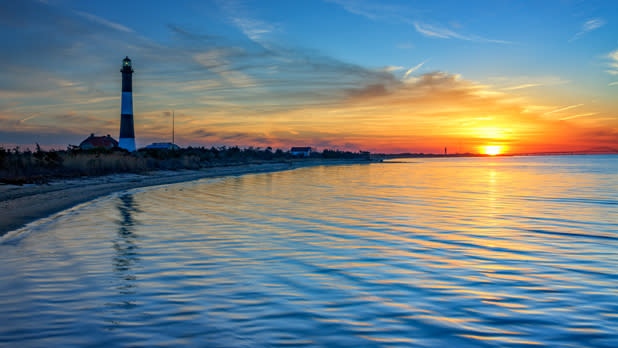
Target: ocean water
x=470 y=252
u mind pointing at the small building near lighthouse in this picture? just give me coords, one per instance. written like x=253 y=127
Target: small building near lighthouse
x=301 y=151
x=94 y=142
x=162 y=146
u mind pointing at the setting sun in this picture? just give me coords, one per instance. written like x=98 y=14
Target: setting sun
x=492 y=150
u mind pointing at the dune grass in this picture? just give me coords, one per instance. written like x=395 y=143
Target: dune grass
x=21 y=167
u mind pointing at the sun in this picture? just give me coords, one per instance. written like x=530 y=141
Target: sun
x=492 y=150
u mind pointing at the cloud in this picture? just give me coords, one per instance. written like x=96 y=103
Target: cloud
x=392 y=68
x=593 y=24
x=381 y=11
x=199 y=85
x=214 y=59
x=434 y=31
x=254 y=29
x=189 y=35
x=240 y=16
x=438 y=32
x=563 y=109
x=578 y=115
x=413 y=69
x=588 y=26
x=239 y=79
x=526 y=85
x=102 y=21
x=613 y=65
x=516 y=83
x=203 y=133
x=370 y=9
x=369 y=91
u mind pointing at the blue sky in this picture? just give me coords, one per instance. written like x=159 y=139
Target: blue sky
x=270 y=72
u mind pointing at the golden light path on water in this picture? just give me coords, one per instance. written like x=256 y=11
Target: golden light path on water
x=468 y=252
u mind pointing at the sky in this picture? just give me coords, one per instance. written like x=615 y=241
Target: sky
x=381 y=76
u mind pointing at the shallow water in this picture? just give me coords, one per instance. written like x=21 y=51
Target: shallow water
x=467 y=252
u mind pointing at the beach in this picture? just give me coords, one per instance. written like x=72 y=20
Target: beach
x=23 y=204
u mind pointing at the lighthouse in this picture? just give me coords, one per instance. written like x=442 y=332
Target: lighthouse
x=127 y=134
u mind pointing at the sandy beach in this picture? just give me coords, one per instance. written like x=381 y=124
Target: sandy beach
x=23 y=204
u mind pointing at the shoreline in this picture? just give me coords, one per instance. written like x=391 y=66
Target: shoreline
x=21 y=205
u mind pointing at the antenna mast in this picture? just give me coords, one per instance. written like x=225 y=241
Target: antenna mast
x=173 y=127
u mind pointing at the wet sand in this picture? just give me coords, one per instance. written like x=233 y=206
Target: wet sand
x=23 y=204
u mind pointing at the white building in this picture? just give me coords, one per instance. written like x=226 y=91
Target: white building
x=301 y=151
x=163 y=146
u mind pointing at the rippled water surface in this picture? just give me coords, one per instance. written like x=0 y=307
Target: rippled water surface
x=435 y=252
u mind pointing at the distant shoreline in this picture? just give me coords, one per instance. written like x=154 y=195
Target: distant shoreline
x=21 y=205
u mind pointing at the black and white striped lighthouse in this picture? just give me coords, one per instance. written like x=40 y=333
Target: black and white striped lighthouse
x=127 y=134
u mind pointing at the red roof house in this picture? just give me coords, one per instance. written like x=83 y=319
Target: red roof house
x=93 y=142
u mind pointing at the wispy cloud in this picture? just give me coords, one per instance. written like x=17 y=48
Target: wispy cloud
x=413 y=69
x=254 y=29
x=440 y=32
x=381 y=11
x=578 y=115
x=563 y=109
x=30 y=117
x=593 y=24
x=613 y=66
x=199 y=85
x=103 y=21
x=588 y=26
x=370 y=9
x=525 y=85
x=392 y=68
x=214 y=59
x=188 y=35
x=240 y=16
x=517 y=83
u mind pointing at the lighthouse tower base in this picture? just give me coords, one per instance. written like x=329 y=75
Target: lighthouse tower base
x=127 y=144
